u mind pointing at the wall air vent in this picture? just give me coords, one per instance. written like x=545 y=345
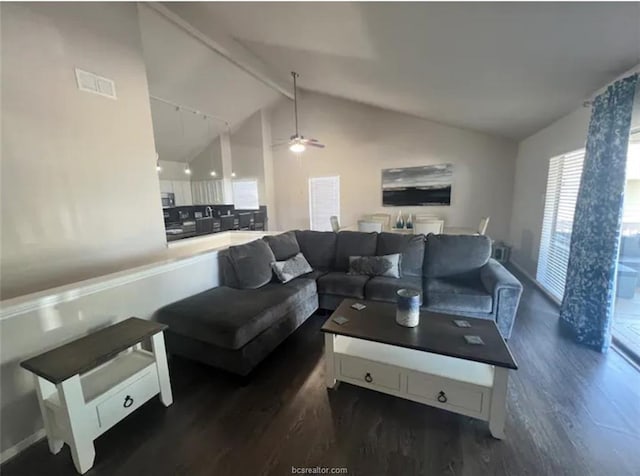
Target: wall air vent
x=92 y=83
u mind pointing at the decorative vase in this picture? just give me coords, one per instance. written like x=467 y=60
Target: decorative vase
x=399 y=220
x=408 y=307
x=409 y=223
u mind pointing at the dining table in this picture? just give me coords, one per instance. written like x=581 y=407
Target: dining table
x=459 y=231
x=446 y=231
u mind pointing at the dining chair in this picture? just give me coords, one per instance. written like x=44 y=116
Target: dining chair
x=426 y=217
x=383 y=218
x=428 y=226
x=335 y=224
x=484 y=223
x=369 y=226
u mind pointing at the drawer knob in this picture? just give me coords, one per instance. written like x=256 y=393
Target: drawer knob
x=368 y=378
x=442 y=397
x=128 y=401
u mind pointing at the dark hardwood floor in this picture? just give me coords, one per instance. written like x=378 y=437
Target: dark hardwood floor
x=571 y=411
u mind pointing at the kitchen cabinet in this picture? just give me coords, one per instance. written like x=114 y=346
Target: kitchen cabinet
x=180 y=188
x=166 y=186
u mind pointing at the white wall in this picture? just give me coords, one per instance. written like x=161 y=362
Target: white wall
x=362 y=140
x=80 y=193
x=269 y=179
x=210 y=158
x=172 y=170
x=247 y=156
x=532 y=166
x=567 y=134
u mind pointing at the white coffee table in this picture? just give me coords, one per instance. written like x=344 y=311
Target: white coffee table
x=430 y=364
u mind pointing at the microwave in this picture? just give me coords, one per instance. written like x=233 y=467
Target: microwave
x=168 y=199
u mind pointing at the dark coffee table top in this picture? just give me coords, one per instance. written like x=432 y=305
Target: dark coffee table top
x=436 y=333
x=86 y=353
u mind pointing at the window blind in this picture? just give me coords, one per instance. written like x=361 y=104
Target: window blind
x=324 y=202
x=563 y=183
x=245 y=194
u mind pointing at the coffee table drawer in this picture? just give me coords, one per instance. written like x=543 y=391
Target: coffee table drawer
x=371 y=373
x=121 y=404
x=444 y=393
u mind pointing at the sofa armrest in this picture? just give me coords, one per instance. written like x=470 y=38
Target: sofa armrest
x=506 y=291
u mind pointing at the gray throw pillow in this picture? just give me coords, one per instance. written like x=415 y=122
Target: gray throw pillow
x=284 y=245
x=289 y=269
x=251 y=264
x=388 y=265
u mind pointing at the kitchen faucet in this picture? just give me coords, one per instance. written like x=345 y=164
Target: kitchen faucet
x=208 y=212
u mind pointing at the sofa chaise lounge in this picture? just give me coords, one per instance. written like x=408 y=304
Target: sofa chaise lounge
x=238 y=324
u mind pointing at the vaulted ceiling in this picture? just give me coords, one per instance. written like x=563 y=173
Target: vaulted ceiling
x=184 y=71
x=506 y=69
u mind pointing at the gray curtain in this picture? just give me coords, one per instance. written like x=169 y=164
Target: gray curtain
x=587 y=307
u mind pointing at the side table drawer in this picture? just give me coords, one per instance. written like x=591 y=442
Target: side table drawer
x=445 y=394
x=371 y=373
x=124 y=402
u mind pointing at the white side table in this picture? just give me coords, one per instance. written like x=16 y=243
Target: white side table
x=88 y=385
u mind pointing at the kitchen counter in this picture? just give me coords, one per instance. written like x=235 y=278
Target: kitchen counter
x=188 y=234
x=180 y=236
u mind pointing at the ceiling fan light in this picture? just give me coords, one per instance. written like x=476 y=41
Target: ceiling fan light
x=297 y=147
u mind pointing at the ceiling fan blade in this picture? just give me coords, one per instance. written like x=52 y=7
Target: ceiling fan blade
x=312 y=142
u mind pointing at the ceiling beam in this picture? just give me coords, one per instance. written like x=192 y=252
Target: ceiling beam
x=216 y=39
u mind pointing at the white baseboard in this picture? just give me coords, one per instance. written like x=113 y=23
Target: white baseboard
x=535 y=282
x=9 y=453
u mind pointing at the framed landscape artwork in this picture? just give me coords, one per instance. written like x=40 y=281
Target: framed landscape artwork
x=417 y=186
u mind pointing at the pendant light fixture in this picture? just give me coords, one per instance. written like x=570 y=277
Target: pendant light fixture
x=213 y=160
x=187 y=169
x=158 y=166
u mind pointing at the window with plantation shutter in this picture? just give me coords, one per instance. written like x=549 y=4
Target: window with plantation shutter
x=563 y=183
x=324 y=202
x=245 y=194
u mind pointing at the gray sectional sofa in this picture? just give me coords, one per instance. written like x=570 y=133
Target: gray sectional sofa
x=236 y=325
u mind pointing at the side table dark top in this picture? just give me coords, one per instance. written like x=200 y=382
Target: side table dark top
x=436 y=332
x=86 y=353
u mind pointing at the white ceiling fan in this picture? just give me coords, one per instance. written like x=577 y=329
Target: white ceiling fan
x=298 y=143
